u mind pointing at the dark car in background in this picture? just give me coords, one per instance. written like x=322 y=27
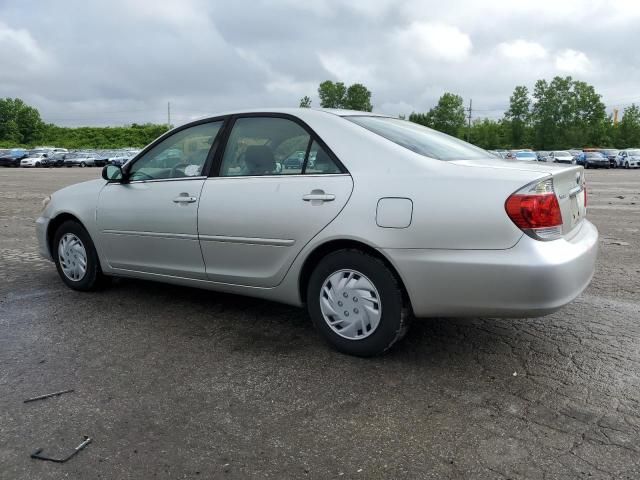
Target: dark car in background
x=12 y=157
x=611 y=154
x=594 y=160
x=54 y=160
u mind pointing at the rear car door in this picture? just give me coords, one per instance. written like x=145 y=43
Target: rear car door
x=150 y=223
x=261 y=210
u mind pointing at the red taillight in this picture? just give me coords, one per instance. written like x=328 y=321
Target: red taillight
x=534 y=211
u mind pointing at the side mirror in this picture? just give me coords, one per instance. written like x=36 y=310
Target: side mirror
x=112 y=173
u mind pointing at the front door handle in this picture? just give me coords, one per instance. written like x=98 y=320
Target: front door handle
x=318 y=196
x=184 y=198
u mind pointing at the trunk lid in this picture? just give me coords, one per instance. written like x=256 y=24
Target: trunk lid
x=568 y=184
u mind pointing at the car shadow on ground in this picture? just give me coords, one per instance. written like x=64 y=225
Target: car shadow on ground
x=261 y=325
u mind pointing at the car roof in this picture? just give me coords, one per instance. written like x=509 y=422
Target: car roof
x=299 y=112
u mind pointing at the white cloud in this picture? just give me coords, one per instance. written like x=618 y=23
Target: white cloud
x=435 y=41
x=344 y=69
x=572 y=61
x=20 y=53
x=522 y=50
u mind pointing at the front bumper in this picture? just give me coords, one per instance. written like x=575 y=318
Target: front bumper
x=42 y=224
x=532 y=278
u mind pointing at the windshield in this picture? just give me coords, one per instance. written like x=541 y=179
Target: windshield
x=421 y=140
x=633 y=152
x=562 y=153
x=526 y=155
x=610 y=152
x=594 y=155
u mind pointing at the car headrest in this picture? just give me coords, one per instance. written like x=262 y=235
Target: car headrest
x=259 y=160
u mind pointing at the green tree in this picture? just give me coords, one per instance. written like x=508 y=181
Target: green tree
x=332 y=94
x=305 y=102
x=19 y=122
x=447 y=116
x=358 y=98
x=490 y=134
x=628 y=134
x=567 y=113
x=517 y=117
x=337 y=95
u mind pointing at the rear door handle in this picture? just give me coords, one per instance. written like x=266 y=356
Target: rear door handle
x=184 y=198
x=318 y=196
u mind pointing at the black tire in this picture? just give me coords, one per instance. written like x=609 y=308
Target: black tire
x=395 y=318
x=82 y=164
x=38 y=164
x=93 y=278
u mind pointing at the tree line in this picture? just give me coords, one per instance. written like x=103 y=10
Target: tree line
x=557 y=114
x=22 y=126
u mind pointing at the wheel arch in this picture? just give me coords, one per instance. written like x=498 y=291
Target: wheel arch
x=55 y=222
x=324 y=249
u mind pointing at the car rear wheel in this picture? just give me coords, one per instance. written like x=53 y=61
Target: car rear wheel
x=82 y=164
x=76 y=258
x=357 y=303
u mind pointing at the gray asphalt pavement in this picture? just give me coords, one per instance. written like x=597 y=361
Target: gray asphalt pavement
x=179 y=383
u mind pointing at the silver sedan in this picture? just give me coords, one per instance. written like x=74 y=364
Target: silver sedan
x=381 y=221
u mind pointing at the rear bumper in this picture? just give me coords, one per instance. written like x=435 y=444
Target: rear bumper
x=531 y=279
x=42 y=223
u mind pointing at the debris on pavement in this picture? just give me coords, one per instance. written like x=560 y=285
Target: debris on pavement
x=38 y=455
x=48 y=395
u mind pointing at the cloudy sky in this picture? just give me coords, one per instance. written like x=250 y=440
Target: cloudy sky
x=114 y=62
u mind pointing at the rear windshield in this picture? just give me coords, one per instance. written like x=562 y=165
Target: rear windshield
x=421 y=140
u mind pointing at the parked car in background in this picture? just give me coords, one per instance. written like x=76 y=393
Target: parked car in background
x=355 y=239
x=12 y=157
x=628 y=158
x=119 y=158
x=611 y=154
x=561 y=156
x=54 y=160
x=80 y=159
x=523 y=155
x=594 y=160
x=34 y=159
x=578 y=155
x=542 y=155
x=100 y=159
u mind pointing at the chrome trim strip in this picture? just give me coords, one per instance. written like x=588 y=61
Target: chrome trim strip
x=306 y=175
x=156 y=180
x=180 y=236
x=273 y=242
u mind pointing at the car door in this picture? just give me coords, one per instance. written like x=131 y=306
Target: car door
x=255 y=216
x=150 y=222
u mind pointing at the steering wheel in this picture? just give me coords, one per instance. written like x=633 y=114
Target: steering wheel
x=174 y=170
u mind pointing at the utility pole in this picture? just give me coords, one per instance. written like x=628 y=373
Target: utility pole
x=469 y=120
x=169 y=115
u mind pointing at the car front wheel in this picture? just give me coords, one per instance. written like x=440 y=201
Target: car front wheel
x=357 y=303
x=76 y=258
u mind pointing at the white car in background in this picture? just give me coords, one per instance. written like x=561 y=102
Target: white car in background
x=629 y=158
x=562 y=156
x=33 y=160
